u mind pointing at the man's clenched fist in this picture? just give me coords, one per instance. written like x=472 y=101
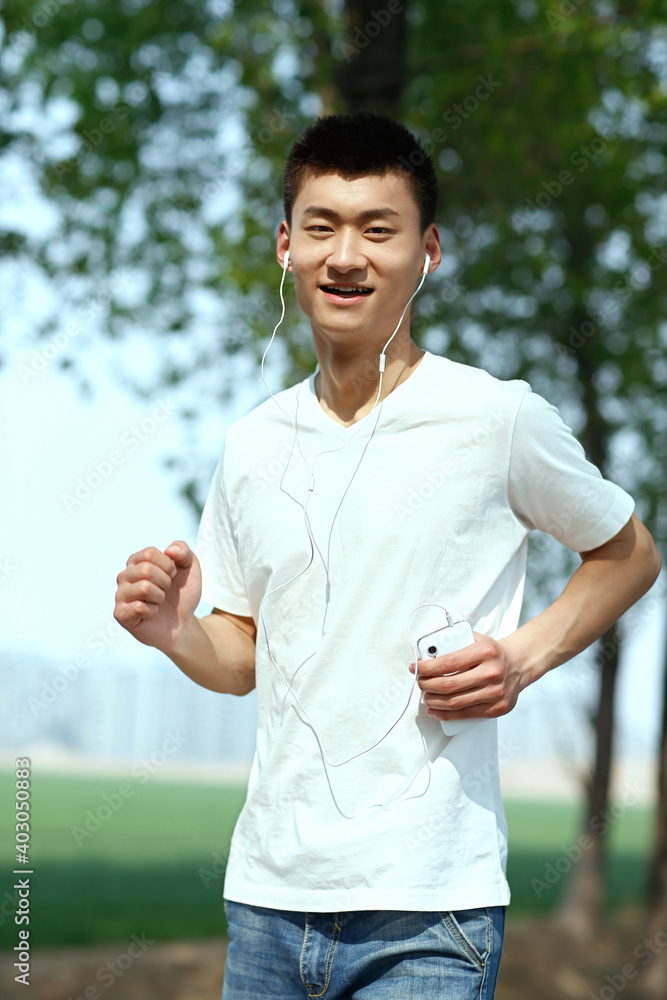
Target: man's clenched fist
x=157 y=594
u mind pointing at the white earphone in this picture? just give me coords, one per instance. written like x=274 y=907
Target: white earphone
x=285 y=260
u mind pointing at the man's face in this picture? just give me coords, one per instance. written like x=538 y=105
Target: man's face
x=355 y=233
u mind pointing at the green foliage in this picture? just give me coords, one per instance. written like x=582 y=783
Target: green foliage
x=576 y=126
x=522 y=104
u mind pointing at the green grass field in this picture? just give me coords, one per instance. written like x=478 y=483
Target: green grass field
x=155 y=865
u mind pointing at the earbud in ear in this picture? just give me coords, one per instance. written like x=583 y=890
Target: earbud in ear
x=285 y=260
x=427 y=263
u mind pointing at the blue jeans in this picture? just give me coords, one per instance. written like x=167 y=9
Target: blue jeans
x=362 y=954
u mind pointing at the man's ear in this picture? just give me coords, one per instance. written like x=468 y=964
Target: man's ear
x=432 y=247
x=282 y=244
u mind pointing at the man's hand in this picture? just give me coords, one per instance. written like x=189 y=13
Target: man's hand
x=157 y=594
x=486 y=686
x=493 y=673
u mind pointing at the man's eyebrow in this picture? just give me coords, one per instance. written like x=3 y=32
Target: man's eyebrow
x=369 y=213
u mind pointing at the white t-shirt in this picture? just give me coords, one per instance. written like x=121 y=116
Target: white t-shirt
x=432 y=503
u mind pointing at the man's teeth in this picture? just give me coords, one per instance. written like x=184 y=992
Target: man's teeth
x=347 y=288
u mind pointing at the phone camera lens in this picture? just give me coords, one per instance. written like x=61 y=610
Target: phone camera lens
x=432 y=650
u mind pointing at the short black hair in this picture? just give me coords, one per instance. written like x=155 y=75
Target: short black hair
x=356 y=143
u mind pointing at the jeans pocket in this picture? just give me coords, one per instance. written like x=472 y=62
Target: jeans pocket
x=471 y=929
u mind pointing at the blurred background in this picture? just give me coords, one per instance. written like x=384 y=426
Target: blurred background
x=141 y=154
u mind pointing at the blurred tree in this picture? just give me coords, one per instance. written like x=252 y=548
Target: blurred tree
x=556 y=178
x=654 y=976
x=547 y=121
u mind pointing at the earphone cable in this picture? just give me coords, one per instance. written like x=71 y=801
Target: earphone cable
x=308 y=526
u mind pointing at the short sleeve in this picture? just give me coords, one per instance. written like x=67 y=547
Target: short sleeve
x=223 y=585
x=553 y=487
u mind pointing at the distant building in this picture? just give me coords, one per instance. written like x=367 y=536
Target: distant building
x=121 y=711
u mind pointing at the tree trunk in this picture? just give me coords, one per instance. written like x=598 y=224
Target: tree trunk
x=373 y=75
x=581 y=907
x=653 y=982
x=580 y=911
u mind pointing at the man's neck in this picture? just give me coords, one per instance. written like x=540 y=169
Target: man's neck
x=347 y=387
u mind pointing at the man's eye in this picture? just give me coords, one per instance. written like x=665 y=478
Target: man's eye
x=373 y=229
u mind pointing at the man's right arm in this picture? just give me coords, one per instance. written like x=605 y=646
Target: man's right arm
x=155 y=601
x=218 y=652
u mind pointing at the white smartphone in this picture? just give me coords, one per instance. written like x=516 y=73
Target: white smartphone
x=445 y=640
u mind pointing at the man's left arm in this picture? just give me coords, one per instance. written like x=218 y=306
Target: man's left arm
x=494 y=672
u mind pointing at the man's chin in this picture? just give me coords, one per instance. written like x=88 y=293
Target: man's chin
x=348 y=323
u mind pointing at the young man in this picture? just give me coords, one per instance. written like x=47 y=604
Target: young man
x=345 y=515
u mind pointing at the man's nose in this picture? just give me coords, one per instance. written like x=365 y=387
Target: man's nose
x=347 y=255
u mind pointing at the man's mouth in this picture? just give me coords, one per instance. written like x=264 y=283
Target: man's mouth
x=346 y=291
